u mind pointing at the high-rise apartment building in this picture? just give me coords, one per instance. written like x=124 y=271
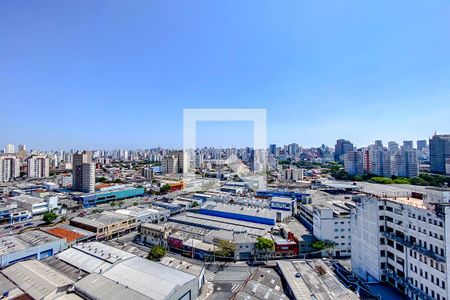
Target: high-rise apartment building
x=381 y=164
x=173 y=163
x=393 y=147
x=403 y=242
x=273 y=149
x=9 y=168
x=10 y=149
x=293 y=149
x=354 y=162
x=38 y=166
x=422 y=145
x=83 y=174
x=406 y=164
x=439 y=152
x=341 y=148
x=408 y=145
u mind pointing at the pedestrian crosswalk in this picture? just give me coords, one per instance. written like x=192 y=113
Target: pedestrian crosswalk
x=235 y=287
x=209 y=276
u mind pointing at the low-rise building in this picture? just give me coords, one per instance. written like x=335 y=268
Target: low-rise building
x=312 y=279
x=38 y=280
x=154 y=234
x=33 y=204
x=130 y=279
x=112 y=194
x=28 y=245
x=144 y=214
x=106 y=225
x=245 y=244
x=332 y=223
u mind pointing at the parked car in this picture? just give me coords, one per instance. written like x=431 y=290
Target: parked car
x=28 y=224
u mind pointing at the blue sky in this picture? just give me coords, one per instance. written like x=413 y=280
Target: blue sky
x=117 y=74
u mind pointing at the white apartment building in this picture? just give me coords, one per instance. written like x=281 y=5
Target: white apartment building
x=9 y=168
x=293 y=174
x=403 y=242
x=10 y=149
x=332 y=223
x=38 y=166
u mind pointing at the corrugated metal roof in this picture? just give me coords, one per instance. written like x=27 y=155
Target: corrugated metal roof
x=36 y=278
x=95 y=286
x=137 y=273
x=83 y=261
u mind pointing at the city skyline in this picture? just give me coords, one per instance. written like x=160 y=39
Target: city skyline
x=114 y=75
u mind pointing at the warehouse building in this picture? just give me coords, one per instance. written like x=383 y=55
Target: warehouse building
x=38 y=280
x=28 y=245
x=132 y=277
x=244 y=213
x=143 y=214
x=213 y=222
x=123 y=192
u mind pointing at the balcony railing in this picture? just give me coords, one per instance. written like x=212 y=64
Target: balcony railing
x=422 y=250
x=407 y=282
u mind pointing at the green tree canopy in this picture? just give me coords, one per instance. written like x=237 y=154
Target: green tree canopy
x=49 y=217
x=226 y=248
x=322 y=245
x=156 y=253
x=164 y=189
x=263 y=243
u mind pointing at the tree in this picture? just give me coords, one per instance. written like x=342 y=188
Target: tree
x=226 y=248
x=323 y=245
x=263 y=243
x=164 y=189
x=49 y=217
x=101 y=179
x=195 y=204
x=113 y=204
x=156 y=253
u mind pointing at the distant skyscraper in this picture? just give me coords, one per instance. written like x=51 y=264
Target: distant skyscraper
x=341 y=148
x=293 y=149
x=393 y=147
x=173 y=163
x=381 y=162
x=273 y=149
x=406 y=164
x=10 y=149
x=83 y=174
x=408 y=145
x=37 y=166
x=439 y=152
x=22 y=148
x=379 y=144
x=354 y=162
x=421 y=145
x=9 y=168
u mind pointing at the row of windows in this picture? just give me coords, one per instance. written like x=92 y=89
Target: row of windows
x=424 y=219
x=425 y=290
x=342 y=237
x=430 y=233
x=432 y=263
x=424 y=274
